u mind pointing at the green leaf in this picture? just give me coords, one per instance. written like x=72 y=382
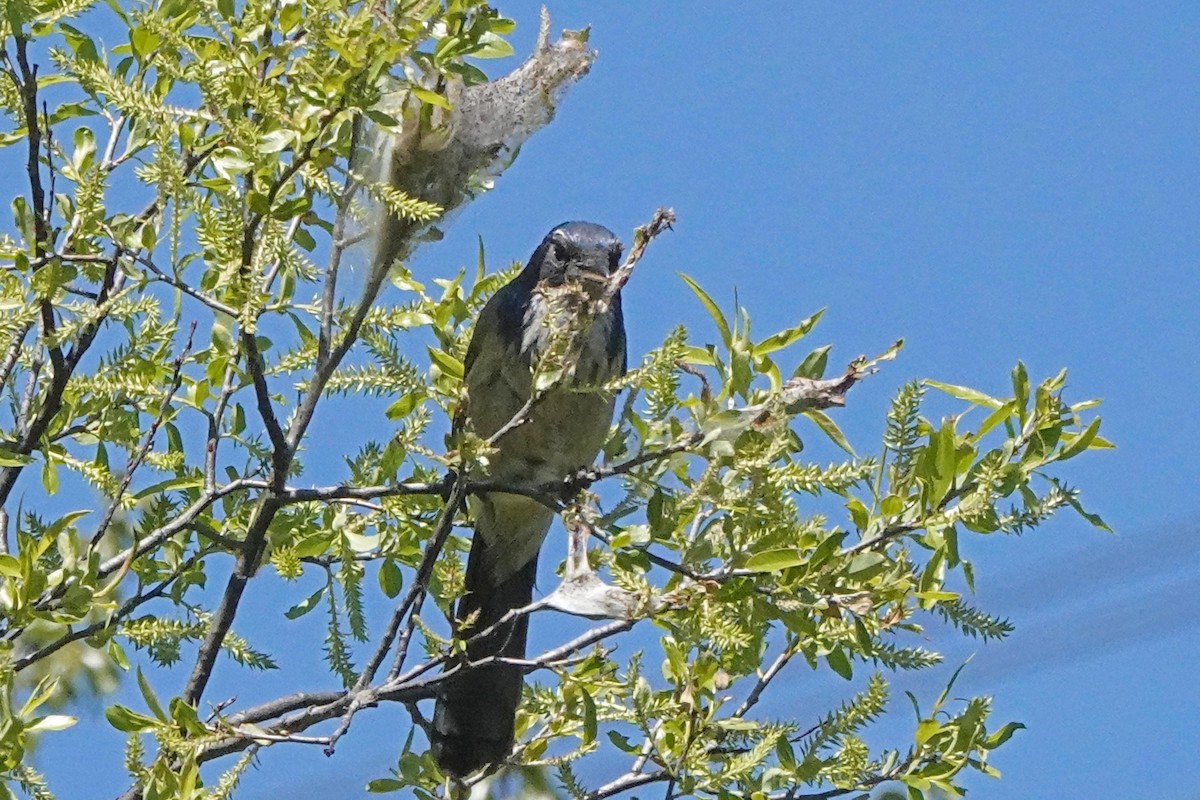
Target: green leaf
x=383 y=120
x=314 y=544
x=9 y=566
x=813 y=365
x=946 y=458
x=40 y=694
x=775 y=560
x=492 y=46
x=52 y=722
x=966 y=393
x=85 y=150
x=737 y=724
x=865 y=566
x=71 y=110
x=148 y=696
x=839 y=663
x=170 y=485
x=1079 y=442
x=950 y=685
x=305 y=239
x=699 y=355
x=258 y=203
x=276 y=141
x=10 y=459
x=927 y=729
x=127 y=720
x=384 y=785
x=713 y=309
x=830 y=429
x=858 y=513
x=230 y=162
x=1089 y=516
x=891 y=505
x=49 y=476
x=1002 y=735
x=185 y=716
x=787 y=336
x=622 y=743
x=404 y=405
x=143 y=42
x=785 y=753
x=294 y=207
x=1020 y=382
x=391 y=580
x=448 y=364
x=117 y=654
x=993 y=419
x=589 y=716
x=432 y=98
x=306 y=605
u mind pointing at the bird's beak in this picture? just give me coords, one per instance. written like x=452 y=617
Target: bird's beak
x=591 y=273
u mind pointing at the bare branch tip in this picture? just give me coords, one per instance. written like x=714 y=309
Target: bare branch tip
x=543 y=40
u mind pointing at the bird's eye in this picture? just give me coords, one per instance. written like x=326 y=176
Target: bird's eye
x=614 y=259
x=562 y=252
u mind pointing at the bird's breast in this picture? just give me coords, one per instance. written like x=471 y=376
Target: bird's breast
x=566 y=427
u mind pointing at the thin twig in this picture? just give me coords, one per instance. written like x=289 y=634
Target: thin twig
x=206 y=531
x=662 y=220
x=289 y=495
x=138 y=457
x=765 y=679
x=262 y=736
x=182 y=521
x=284 y=705
x=338 y=249
x=122 y=562
x=108 y=622
x=630 y=780
x=297 y=712
x=409 y=607
x=186 y=288
x=214 y=423
x=14 y=351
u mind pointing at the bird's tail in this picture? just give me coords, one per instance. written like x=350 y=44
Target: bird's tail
x=477 y=706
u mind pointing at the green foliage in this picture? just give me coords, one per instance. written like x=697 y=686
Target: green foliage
x=163 y=639
x=182 y=290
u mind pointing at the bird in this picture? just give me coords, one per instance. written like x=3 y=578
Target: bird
x=475 y=710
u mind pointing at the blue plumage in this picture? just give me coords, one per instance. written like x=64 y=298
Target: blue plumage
x=473 y=720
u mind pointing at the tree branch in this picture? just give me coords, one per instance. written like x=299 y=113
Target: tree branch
x=630 y=780
x=410 y=606
x=281 y=454
x=136 y=459
x=108 y=622
x=300 y=711
x=765 y=679
x=122 y=562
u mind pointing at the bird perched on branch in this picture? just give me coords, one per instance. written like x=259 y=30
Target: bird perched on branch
x=539 y=443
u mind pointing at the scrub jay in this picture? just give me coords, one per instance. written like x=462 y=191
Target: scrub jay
x=476 y=707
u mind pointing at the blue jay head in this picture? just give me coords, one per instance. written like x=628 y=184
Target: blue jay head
x=577 y=252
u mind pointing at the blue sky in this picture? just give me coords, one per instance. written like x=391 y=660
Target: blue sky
x=989 y=181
